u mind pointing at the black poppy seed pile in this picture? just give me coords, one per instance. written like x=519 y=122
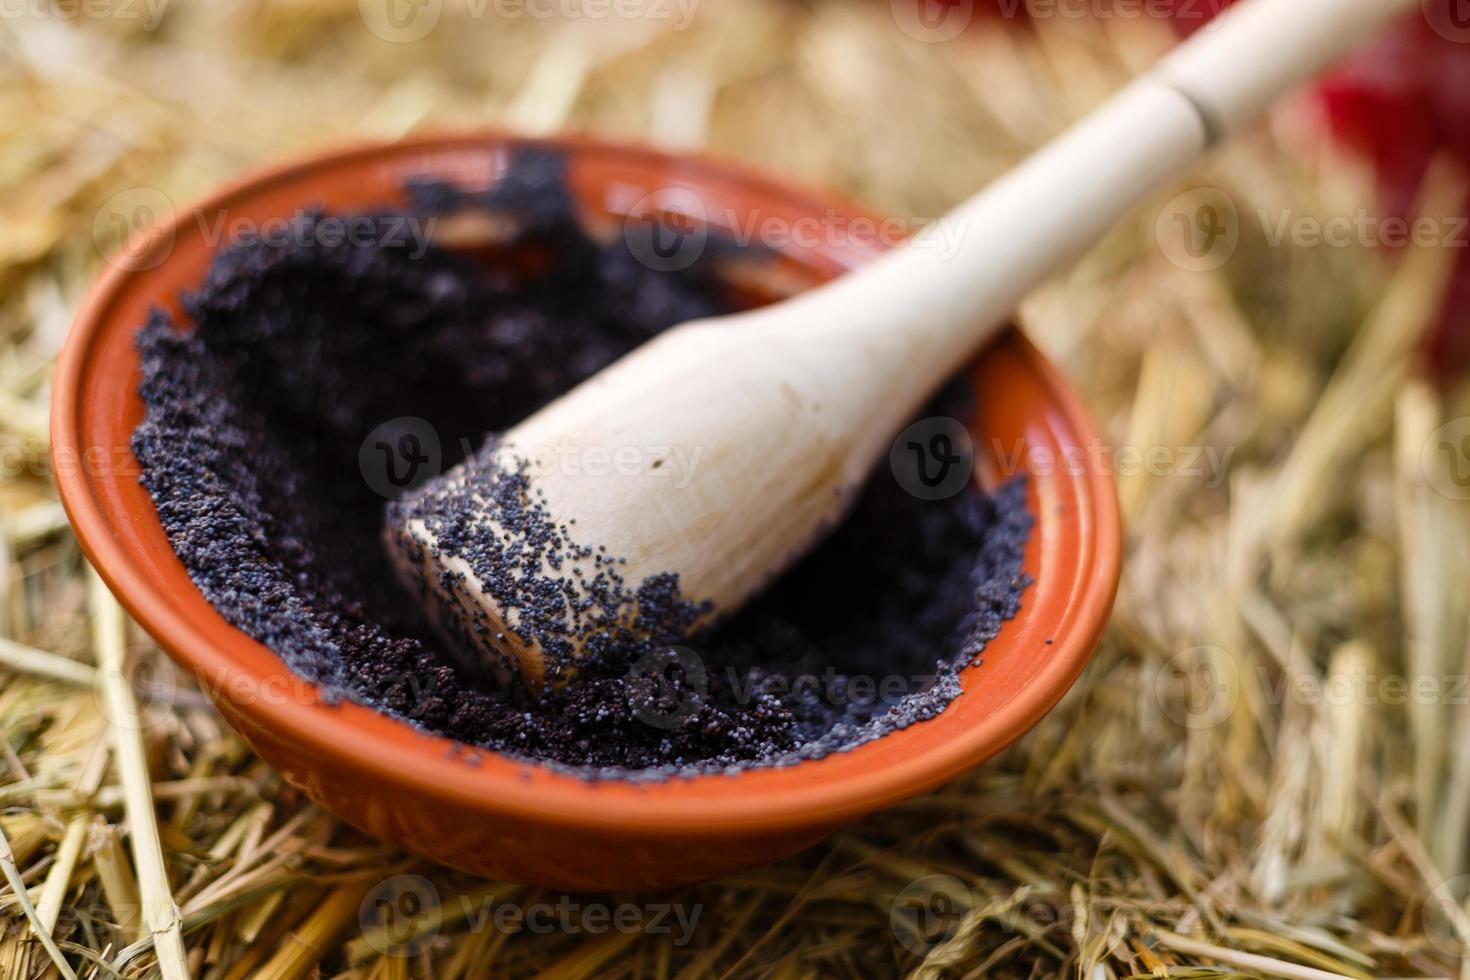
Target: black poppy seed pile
x=250 y=448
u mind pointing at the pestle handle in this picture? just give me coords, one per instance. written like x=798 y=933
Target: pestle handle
x=943 y=294
x=1235 y=67
x=789 y=406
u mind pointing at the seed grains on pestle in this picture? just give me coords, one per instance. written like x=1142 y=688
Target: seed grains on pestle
x=563 y=595
x=250 y=449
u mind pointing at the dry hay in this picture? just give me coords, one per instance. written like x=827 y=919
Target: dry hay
x=1258 y=774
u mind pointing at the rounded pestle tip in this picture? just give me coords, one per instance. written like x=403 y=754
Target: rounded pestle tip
x=507 y=584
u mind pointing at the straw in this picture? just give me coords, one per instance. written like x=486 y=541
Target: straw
x=119 y=887
x=38 y=924
x=160 y=914
x=1206 y=802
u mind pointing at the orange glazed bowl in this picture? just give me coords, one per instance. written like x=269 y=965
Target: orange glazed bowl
x=505 y=818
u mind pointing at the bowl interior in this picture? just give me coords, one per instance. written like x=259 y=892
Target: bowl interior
x=1027 y=421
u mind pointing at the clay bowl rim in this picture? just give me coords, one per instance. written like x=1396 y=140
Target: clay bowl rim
x=360 y=739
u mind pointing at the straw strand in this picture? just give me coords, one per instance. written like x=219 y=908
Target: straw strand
x=160 y=914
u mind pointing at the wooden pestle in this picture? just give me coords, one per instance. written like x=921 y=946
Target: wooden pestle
x=783 y=411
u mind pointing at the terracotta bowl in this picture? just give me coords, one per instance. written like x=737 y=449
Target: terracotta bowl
x=507 y=819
